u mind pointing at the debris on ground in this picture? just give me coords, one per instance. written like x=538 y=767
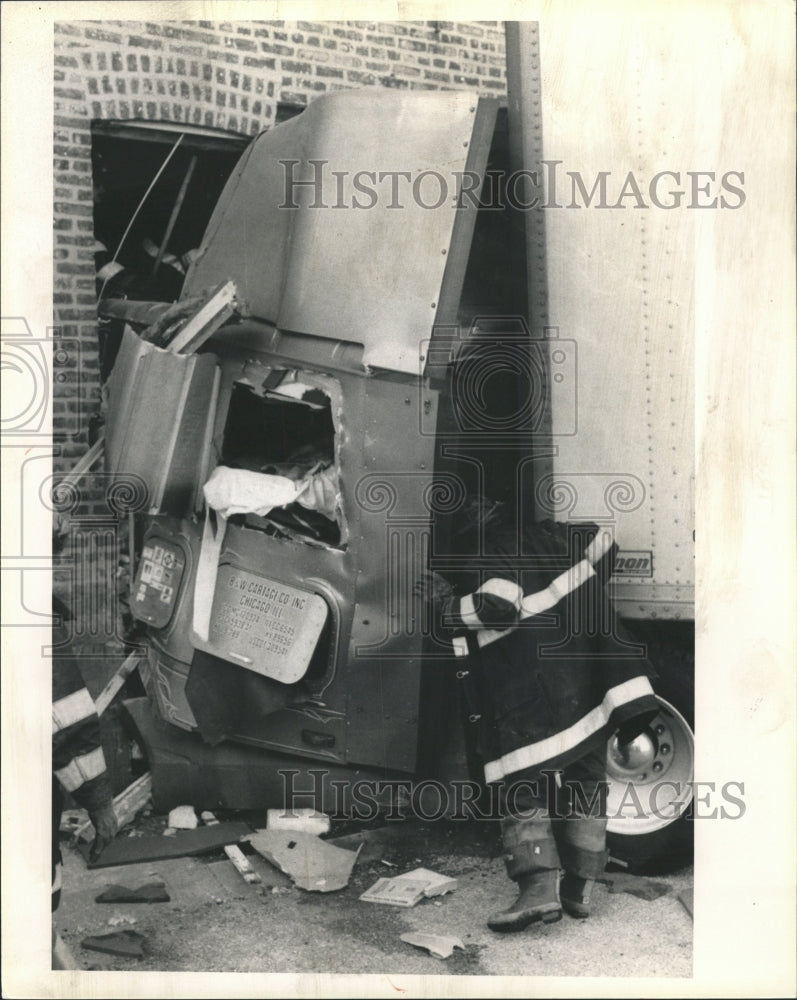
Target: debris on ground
x=183 y=818
x=439 y=945
x=311 y=863
x=241 y=864
x=235 y=854
x=687 y=900
x=437 y=885
x=394 y=892
x=128 y=944
x=301 y=820
x=120 y=918
x=184 y=843
x=409 y=888
x=634 y=885
x=73 y=820
x=152 y=892
x=380 y=842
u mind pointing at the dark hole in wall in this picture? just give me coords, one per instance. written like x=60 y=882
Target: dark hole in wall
x=126 y=157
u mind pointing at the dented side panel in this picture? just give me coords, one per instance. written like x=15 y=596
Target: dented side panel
x=362 y=706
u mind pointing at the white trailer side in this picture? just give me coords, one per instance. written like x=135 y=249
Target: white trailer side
x=612 y=264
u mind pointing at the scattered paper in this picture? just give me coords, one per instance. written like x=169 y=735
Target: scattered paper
x=410 y=888
x=437 y=885
x=311 y=863
x=439 y=945
x=394 y=892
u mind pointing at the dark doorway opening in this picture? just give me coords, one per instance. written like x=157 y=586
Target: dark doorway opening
x=155 y=187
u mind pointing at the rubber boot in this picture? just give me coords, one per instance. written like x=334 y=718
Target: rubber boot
x=532 y=860
x=537 y=901
x=584 y=858
x=575 y=895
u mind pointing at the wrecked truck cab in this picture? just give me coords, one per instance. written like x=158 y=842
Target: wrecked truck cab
x=297 y=483
x=359 y=364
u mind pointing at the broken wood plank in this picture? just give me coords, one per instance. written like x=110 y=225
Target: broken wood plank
x=242 y=866
x=204 y=324
x=116 y=683
x=131 y=850
x=132 y=311
x=132 y=799
x=125 y=805
x=178 y=204
x=93 y=455
x=235 y=854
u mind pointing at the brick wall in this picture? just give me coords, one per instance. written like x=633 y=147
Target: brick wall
x=225 y=74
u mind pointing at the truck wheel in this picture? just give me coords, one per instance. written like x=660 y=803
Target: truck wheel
x=650 y=790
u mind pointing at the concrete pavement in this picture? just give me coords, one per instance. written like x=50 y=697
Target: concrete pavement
x=215 y=922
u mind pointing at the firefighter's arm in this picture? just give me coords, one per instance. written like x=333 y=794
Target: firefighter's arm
x=495 y=604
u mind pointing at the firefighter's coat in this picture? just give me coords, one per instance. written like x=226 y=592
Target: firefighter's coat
x=556 y=673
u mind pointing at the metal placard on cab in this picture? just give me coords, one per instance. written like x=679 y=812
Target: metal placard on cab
x=157 y=582
x=263 y=625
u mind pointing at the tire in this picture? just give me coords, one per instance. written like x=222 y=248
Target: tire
x=650 y=791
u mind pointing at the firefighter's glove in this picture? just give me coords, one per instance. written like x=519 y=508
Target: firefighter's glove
x=105 y=827
x=435 y=590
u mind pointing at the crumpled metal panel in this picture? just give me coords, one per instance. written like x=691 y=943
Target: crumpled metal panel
x=159 y=406
x=372 y=274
